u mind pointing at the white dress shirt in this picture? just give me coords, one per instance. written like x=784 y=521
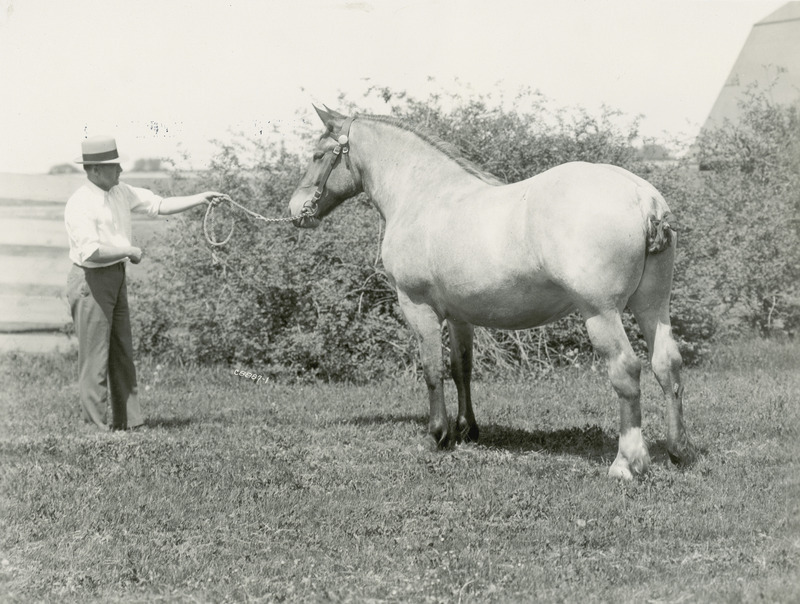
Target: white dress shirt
x=94 y=217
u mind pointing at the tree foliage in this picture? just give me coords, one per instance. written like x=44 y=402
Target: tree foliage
x=747 y=218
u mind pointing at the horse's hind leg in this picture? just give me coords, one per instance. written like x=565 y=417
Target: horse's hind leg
x=461 y=366
x=650 y=306
x=624 y=368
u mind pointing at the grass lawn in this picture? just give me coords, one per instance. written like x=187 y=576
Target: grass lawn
x=238 y=491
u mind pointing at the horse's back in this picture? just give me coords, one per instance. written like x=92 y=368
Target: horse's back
x=571 y=208
x=569 y=238
x=590 y=221
x=604 y=187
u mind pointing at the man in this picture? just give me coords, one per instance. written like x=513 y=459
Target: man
x=98 y=221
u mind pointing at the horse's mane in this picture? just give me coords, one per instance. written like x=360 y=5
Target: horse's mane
x=448 y=149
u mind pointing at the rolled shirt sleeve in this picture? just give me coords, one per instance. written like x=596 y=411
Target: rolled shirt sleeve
x=84 y=239
x=143 y=201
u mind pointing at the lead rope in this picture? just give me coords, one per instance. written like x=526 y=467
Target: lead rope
x=308 y=210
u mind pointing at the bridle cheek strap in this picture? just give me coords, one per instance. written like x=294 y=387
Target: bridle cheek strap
x=342 y=148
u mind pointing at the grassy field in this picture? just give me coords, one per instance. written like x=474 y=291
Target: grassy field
x=238 y=491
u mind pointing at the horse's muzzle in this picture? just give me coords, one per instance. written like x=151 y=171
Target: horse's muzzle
x=306 y=218
x=306 y=222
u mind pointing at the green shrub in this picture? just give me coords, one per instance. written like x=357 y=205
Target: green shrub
x=746 y=244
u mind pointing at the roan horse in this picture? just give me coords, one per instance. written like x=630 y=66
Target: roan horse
x=462 y=247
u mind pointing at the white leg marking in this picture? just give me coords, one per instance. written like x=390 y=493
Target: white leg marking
x=632 y=457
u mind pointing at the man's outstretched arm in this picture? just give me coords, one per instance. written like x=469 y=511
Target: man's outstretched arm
x=174 y=205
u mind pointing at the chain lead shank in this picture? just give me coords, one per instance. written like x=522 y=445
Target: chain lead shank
x=309 y=210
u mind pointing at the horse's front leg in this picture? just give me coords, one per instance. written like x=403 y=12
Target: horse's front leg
x=461 y=367
x=427 y=326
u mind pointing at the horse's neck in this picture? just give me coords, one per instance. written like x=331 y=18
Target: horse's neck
x=401 y=171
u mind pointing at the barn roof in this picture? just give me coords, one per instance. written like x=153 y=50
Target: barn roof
x=788 y=12
x=769 y=58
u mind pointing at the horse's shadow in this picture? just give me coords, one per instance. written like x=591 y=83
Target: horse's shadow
x=168 y=423
x=589 y=442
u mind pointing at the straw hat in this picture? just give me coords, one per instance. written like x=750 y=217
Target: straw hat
x=99 y=150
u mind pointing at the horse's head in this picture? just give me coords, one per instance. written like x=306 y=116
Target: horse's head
x=330 y=177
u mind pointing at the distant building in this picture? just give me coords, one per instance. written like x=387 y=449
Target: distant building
x=770 y=58
x=63 y=169
x=150 y=164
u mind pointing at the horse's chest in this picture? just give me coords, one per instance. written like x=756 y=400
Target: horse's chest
x=406 y=260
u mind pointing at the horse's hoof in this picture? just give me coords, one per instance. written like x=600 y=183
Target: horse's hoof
x=684 y=454
x=428 y=443
x=626 y=469
x=468 y=433
x=620 y=471
x=440 y=438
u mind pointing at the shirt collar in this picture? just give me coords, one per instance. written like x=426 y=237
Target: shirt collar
x=93 y=187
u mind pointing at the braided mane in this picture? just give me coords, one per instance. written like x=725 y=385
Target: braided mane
x=448 y=149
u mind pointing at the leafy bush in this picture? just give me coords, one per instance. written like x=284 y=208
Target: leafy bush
x=748 y=219
x=317 y=305
x=288 y=302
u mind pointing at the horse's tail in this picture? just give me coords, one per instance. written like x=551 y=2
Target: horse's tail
x=661 y=229
x=661 y=226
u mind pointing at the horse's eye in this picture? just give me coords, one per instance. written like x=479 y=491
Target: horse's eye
x=319 y=155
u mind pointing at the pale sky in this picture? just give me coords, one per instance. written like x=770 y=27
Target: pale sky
x=167 y=74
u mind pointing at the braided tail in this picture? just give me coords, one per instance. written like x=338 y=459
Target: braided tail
x=660 y=232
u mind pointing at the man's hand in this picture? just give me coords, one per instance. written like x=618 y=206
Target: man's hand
x=215 y=198
x=135 y=255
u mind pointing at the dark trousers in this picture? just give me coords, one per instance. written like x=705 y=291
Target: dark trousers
x=98 y=299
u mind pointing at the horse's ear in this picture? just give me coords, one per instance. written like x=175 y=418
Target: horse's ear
x=332 y=119
x=334 y=113
x=323 y=114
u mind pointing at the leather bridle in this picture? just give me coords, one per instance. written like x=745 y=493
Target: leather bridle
x=342 y=148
